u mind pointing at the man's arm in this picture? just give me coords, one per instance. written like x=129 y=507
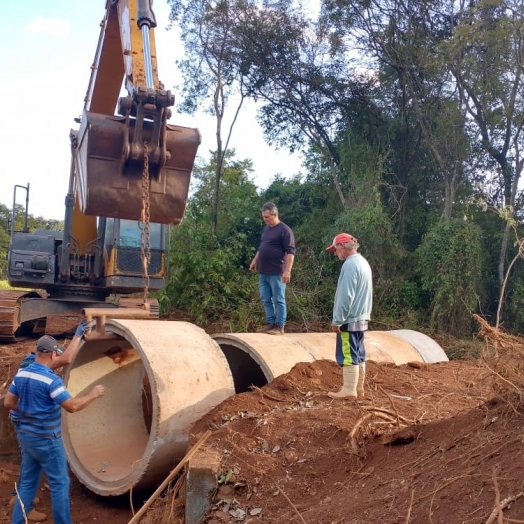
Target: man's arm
x=344 y=296
x=71 y=350
x=74 y=404
x=11 y=401
x=286 y=276
x=68 y=355
x=254 y=263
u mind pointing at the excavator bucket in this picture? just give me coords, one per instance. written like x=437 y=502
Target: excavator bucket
x=109 y=184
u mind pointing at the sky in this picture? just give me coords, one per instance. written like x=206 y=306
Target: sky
x=47 y=50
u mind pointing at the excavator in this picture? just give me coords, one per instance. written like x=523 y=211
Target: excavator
x=129 y=182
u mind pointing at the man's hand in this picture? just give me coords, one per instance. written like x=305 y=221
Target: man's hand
x=253 y=265
x=98 y=391
x=74 y=404
x=82 y=328
x=286 y=277
x=334 y=328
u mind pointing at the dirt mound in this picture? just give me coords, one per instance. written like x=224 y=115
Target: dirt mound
x=305 y=457
x=426 y=446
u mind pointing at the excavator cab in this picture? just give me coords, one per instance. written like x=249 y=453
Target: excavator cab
x=123 y=255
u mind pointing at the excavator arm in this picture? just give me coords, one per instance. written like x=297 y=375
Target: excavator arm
x=122 y=51
x=129 y=179
x=120 y=159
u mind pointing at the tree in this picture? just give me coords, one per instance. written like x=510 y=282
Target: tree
x=209 y=277
x=207 y=73
x=450 y=264
x=306 y=87
x=486 y=57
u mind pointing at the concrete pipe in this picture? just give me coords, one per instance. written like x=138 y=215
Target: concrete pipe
x=256 y=359
x=160 y=378
x=429 y=350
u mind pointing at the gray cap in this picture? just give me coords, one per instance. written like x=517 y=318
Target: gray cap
x=47 y=344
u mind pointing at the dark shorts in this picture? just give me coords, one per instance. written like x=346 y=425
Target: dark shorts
x=350 y=350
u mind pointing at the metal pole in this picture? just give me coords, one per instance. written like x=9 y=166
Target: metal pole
x=148 y=62
x=26 y=229
x=13 y=211
x=146 y=20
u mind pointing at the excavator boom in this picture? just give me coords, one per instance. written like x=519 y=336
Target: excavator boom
x=119 y=158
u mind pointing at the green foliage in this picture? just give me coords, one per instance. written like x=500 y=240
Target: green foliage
x=399 y=137
x=450 y=264
x=514 y=303
x=209 y=278
x=207 y=281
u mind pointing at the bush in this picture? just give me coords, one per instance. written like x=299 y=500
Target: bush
x=450 y=264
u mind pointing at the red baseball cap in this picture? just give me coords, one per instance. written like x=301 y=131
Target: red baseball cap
x=341 y=238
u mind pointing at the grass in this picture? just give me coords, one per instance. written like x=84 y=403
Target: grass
x=5 y=285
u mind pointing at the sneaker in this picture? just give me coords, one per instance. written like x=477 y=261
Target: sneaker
x=36 y=516
x=266 y=328
x=277 y=330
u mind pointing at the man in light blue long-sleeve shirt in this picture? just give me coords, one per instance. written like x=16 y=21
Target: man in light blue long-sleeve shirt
x=351 y=314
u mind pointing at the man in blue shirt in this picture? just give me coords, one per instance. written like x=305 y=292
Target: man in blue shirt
x=351 y=314
x=64 y=357
x=37 y=394
x=274 y=260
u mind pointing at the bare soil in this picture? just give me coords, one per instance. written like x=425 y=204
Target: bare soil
x=430 y=444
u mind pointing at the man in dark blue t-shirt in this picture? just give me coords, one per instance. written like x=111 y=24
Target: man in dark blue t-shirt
x=274 y=260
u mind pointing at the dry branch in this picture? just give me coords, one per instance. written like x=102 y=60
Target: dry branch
x=292 y=505
x=267 y=395
x=382 y=410
x=503 y=357
x=506 y=502
x=360 y=421
x=446 y=484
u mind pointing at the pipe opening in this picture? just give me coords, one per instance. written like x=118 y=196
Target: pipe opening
x=245 y=370
x=107 y=441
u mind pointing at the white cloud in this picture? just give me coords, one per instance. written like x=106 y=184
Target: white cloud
x=53 y=26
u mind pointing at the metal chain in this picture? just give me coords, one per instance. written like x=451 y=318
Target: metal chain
x=145 y=243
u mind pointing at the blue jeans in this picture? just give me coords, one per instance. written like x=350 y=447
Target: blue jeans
x=43 y=455
x=13 y=493
x=273 y=297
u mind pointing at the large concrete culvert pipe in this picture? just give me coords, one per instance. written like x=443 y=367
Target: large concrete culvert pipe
x=256 y=359
x=160 y=378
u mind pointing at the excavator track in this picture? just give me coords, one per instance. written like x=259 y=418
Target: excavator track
x=19 y=321
x=10 y=314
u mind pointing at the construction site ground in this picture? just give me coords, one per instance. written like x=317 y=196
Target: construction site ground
x=430 y=444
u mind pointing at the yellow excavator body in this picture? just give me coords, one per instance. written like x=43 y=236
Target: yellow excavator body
x=129 y=180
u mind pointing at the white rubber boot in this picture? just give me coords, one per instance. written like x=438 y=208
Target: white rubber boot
x=361 y=379
x=350 y=376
